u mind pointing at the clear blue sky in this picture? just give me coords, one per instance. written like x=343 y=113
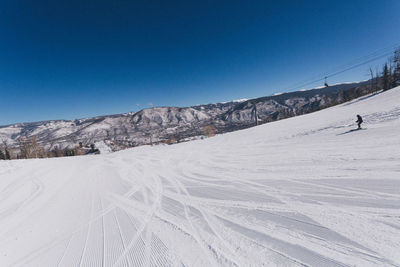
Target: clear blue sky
x=69 y=59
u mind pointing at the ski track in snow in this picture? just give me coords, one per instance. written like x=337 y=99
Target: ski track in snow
x=296 y=192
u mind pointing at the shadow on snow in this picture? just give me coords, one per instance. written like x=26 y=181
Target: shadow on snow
x=352 y=130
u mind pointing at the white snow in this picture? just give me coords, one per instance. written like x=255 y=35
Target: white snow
x=301 y=191
x=234 y=101
x=240 y=100
x=103 y=147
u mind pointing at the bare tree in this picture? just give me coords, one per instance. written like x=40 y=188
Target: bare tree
x=6 y=150
x=30 y=148
x=208 y=131
x=372 y=80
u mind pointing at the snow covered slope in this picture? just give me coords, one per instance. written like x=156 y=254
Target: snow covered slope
x=301 y=191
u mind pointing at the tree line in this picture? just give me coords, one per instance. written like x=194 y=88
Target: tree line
x=28 y=148
x=389 y=77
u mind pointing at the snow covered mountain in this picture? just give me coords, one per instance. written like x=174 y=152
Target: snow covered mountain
x=319 y=194
x=164 y=123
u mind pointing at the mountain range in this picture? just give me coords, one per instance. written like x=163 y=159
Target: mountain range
x=177 y=124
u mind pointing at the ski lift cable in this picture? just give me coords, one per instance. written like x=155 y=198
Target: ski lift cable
x=364 y=59
x=360 y=64
x=309 y=81
x=376 y=53
x=332 y=70
x=325 y=74
x=339 y=72
x=355 y=61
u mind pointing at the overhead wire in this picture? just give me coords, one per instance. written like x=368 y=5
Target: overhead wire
x=383 y=52
x=355 y=61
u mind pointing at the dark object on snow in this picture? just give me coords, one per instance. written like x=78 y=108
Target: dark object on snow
x=92 y=150
x=359 y=121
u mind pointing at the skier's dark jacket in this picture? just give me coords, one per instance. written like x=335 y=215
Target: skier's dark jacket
x=359 y=119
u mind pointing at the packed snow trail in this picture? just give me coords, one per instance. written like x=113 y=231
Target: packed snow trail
x=296 y=192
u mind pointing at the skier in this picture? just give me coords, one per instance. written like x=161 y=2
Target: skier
x=359 y=121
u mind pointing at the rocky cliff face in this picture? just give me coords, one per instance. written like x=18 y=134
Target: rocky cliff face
x=163 y=123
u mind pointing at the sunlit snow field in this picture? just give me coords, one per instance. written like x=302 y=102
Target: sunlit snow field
x=301 y=191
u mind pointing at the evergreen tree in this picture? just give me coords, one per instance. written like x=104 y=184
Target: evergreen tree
x=2 y=156
x=386 y=77
x=396 y=69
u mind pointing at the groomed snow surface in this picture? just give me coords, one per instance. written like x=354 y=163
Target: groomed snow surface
x=301 y=191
